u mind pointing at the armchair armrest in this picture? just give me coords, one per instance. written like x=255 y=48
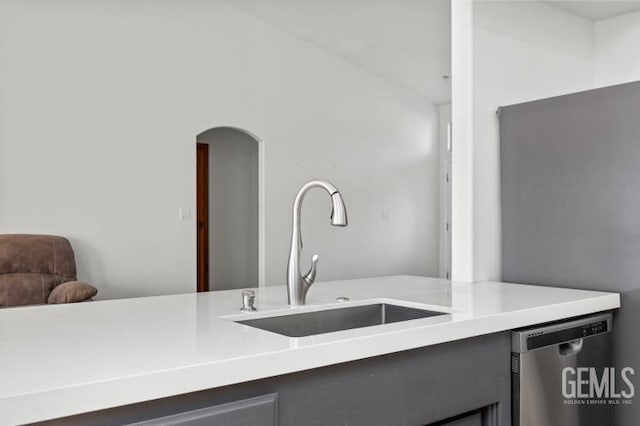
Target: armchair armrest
x=72 y=291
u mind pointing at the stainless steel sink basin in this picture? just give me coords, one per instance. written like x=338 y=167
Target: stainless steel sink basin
x=330 y=320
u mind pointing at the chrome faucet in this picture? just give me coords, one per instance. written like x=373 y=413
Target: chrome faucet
x=298 y=284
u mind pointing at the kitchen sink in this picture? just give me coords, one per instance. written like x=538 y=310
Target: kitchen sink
x=337 y=319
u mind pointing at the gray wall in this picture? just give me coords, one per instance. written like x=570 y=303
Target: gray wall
x=570 y=170
x=233 y=208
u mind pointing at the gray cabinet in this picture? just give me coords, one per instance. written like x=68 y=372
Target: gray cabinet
x=259 y=411
x=418 y=387
x=469 y=420
x=487 y=416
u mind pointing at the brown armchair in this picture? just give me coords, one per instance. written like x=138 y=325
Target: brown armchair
x=38 y=269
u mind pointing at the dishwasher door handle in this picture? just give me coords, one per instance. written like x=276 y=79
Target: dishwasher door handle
x=570 y=348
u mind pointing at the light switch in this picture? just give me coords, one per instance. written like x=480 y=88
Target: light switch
x=184 y=213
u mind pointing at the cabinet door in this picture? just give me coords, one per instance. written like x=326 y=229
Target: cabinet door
x=487 y=416
x=471 y=420
x=260 y=411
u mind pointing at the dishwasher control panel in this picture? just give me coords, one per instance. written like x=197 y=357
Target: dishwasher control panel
x=540 y=339
x=551 y=334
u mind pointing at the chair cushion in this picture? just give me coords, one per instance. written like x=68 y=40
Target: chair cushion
x=42 y=254
x=26 y=289
x=72 y=291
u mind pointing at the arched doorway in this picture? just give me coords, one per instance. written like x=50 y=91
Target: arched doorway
x=228 y=209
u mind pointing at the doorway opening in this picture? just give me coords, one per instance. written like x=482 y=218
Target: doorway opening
x=229 y=209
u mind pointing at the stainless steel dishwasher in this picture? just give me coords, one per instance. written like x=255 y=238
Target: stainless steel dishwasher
x=539 y=357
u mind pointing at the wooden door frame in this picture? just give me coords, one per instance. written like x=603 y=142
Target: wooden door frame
x=202 y=216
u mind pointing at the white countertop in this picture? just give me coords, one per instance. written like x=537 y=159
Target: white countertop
x=62 y=360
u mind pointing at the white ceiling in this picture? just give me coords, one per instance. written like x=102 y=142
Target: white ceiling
x=406 y=42
x=597 y=10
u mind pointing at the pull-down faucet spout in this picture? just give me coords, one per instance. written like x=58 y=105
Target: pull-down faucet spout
x=298 y=284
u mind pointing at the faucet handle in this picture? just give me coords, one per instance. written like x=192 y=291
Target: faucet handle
x=310 y=276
